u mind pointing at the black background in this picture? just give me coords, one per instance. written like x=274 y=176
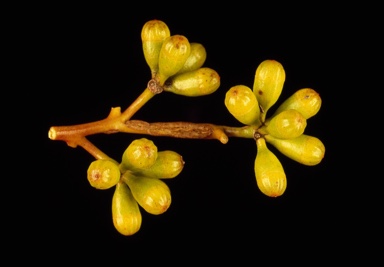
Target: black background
x=91 y=60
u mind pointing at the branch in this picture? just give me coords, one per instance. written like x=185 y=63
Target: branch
x=75 y=135
x=189 y=130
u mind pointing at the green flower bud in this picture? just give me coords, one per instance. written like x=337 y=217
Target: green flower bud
x=126 y=214
x=153 y=34
x=203 y=81
x=103 y=173
x=173 y=55
x=152 y=194
x=140 y=154
x=168 y=164
x=196 y=58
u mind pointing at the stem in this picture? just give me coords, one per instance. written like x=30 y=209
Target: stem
x=241 y=132
x=92 y=149
x=145 y=96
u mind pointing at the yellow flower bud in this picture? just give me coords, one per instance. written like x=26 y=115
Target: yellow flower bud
x=268 y=84
x=173 y=54
x=269 y=172
x=196 y=58
x=168 y=164
x=203 y=81
x=152 y=194
x=103 y=173
x=305 y=149
x=306 y=100
x=241 y=102
x=126 y=214
x=286 y=125
x=140 y=154
x=153 y=34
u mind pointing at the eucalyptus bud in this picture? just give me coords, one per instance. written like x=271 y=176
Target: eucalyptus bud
x=126 y=214
x=242 y=103
x=269 y=172
x=200 y=82
x=305 y=149
x=268 y=84
x=153 y=34
x=173 y=54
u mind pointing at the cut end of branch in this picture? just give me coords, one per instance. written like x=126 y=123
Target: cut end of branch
x=115 y=112
x=52 y=133
x=223 y=139
x=71 y=144
x=220 y=135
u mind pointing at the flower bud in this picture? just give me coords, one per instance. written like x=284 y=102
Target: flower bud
x=103 y=173
x=173 y=54
x=168 y=164
x=268 y=84
x=305 y=149
x=140 y=154
x=126 y=214
x=196 y=58
x=306 y=100
x=152 y=194
x=286 y=125
x=203 y=81
x=241 y=102
x=153 y=34
x=269 y=172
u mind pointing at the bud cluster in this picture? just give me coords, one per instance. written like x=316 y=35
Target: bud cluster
x=176 y=64
x=138 y=182
x=284 y=129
